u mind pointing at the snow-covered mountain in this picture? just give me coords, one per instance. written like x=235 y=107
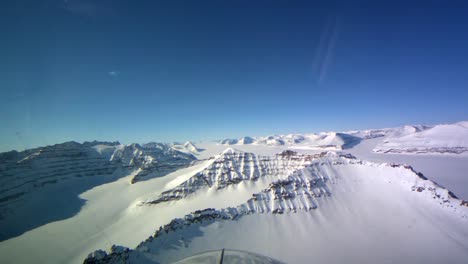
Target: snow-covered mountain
x=191 y=147
x=68 y=169
x=387 y=132
x=320 y=141
x=152 y=159
x=451 y=138
x=327 y=188
x=187 y=147
x=232 y=168
x=296 y=198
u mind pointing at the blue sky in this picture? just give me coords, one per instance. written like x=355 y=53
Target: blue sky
x=139 y=71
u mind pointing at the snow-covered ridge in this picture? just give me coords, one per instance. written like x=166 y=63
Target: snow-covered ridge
x=301 y=191
x=28 y=176
x=30 y=169
x=34 y=168
x=152 y=159
x=233 y=167
x=451 y=138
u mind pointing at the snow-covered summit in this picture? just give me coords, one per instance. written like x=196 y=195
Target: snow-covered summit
x=188 y=147
x=191 y=147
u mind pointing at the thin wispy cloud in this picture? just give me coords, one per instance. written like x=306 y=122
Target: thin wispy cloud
x=114 y=73
x=325 y=50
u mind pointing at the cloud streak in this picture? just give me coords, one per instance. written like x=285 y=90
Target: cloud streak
x=113 y=73
x=325 y=50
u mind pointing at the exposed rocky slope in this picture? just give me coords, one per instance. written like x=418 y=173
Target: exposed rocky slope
x=234 y=167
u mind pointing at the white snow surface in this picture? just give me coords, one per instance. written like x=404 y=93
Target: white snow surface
x=451 y=138
x=449 y=170
x=297 y=208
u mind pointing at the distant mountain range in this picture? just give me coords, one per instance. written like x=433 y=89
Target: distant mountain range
x=447 y=138
x=285 y=196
